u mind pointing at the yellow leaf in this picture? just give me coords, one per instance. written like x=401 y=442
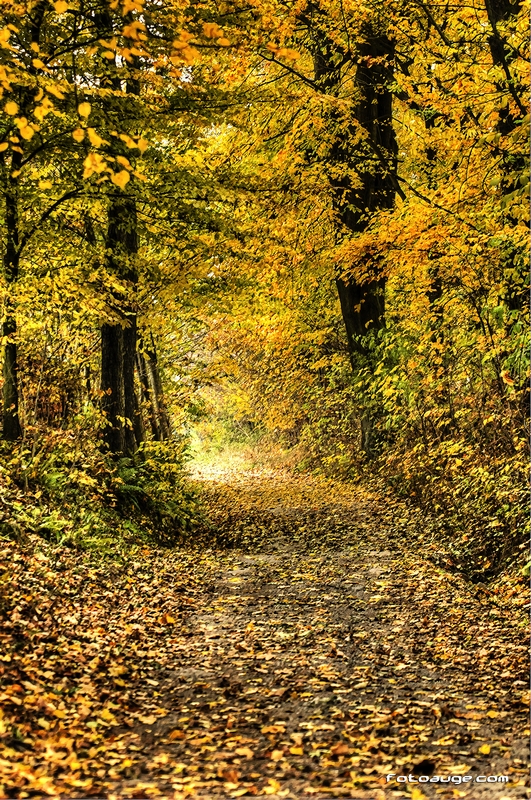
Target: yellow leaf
x=11 y=108
x=60 y=6
x=148 y=720
x=276 y=755
x=26 y=132
x=41 y=111
x=59 y=713
x=142 y=145
x=223 y=41
x=95 y=138
x=288 y=53
x=212 y=30
x=78 y=135
x=485 y=749
x=38 y=64
x=93 y=163
x=108 y=716
x=296 y=751
x=45 y=184
x=3 y=146
x=505 y=376
x=492 y=714
x=273 y=787
x=121 y=179
x=128 y=140
x=244 y=751
x=123 y=161
x=84 y=109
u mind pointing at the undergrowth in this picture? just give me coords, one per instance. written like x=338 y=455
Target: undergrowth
x=61 y=485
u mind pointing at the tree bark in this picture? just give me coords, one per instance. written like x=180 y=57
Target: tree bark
x=11 y=428
x=374 y=161
x=158 y=392
x=146 y=394
x=118 y=340
x=112 y=386
x=153 y=395
x=362 y=169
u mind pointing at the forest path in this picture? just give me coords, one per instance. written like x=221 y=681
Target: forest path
x=312 y=652
x=326 y=653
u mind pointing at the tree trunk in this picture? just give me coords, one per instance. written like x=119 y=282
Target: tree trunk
x=158 y=392
x=147 y=394
x=112 y=386
x=11 y=428
x=149 y=375
x=374 y=161
x=118 y=340
x=363 y=309
x=129 y=357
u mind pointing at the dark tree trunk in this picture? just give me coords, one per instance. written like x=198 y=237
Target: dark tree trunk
x=363 y=309
x=11 y=428
x=374 y=161
x=118 y=341
x=112 y=386
x=362 y=173
x=129 y=357
x=122 y=435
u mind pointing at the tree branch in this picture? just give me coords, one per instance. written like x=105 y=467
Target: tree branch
x=49 y=211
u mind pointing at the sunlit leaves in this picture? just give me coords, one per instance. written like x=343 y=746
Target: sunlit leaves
x=93 y=163
x=121 y=179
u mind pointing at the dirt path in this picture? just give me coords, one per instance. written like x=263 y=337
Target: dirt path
x=313 y=654
x=327 y=655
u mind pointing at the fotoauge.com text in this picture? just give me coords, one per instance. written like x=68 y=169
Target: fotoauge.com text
x=458 y=779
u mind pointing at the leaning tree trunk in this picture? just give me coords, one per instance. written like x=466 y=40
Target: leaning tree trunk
x=11 y=428
x=158 y=391
x=152 y=391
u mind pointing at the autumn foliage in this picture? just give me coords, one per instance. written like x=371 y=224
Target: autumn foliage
x=308 y=220
x=302 y=226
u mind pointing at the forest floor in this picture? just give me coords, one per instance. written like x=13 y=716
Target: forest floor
x=316 y=650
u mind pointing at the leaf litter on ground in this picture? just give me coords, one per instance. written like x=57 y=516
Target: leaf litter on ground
x=304 y=646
